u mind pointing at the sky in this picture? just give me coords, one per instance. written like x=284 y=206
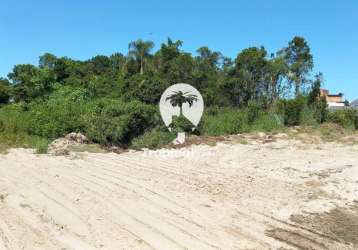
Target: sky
x=81 y=29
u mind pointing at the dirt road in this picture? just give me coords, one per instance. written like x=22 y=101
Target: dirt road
x=279 y=195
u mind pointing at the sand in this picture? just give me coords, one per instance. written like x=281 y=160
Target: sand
x=228 y=196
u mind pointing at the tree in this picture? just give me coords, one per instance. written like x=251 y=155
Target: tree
x=317 y=102
x=299 y=60
x=21 y=78
x=147 y=88
x=170 y=50
x=248 y=79
x=164 y=57
x=4 y=91
x=47 y=60
x=178 y=98
x=139 y=50
x=315 y=93
x=209 y=57
x=30 y=82
x=118 y=62
x=98 y=65
x=277 y=70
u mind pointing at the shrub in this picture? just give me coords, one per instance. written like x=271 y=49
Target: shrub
x=227 y=121
x=347 y=118
x=117 y=122
x=254 y=110
x=22 y=140
x=268 y=122
x=153 y=139
x=14 y=119
x=181 y=124
x=308 y=117
x=4 y=91
x=292 y=110
x=146 y=88
x=320 y=110
x=62 y=113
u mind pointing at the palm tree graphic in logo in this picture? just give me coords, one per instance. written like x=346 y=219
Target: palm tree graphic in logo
x=181 y=107
x=178 y=98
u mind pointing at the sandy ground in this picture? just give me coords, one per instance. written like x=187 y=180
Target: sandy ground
x=279 y=195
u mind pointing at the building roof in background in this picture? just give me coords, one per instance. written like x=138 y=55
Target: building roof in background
x=325 y=92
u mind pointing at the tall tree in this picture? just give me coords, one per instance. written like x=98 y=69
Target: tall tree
x=4 y=90
x=315 y=93
x=277 y=72
x=299 y=60
x=47 y=60
x=139 y=50
x=211 y=58
x=251 y=72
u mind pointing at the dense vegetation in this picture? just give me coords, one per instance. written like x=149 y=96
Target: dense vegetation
x=114 y=99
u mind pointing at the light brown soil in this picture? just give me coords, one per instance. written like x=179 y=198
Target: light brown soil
x=261 y=194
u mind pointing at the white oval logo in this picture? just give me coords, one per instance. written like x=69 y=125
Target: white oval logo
x=181 y=100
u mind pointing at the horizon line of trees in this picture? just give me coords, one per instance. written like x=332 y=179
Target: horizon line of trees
x=143 y=74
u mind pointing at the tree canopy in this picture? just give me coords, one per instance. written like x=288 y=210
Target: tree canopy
x=143 y=75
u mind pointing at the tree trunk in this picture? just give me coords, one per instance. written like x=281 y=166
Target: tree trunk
x=141 y=66
x=297 y=88
x=180 y=110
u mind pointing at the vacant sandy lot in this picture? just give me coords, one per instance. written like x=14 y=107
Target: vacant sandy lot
x=277 y=195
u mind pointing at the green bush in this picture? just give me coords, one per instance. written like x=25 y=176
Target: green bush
x=14 y=119
x=320 y=109
x=226 y=121
x=62 y=113
x=4 y=91
x=347 y=118
x=22 y=140
x=308 y=117
x=268 y=122
x=117 y=122
x=153 y=139
x=254 y=111
x=292 y=110
x=146 y=88
x=181 y=124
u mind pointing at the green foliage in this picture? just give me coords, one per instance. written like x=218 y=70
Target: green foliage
x=147 y=88
x=317 y=104
x=181 y=124
x=225 y=121
x=116 y=122
x=14 y=119
x=292 y=110
x=62 y=113
x=31 y=82
x=22 y=140
x=254 y=110
x=307 y=117
x=153 y=139
x=102 y=86
x=113 y=99
x=347 y=118
x=4 y=91
x=14 y=123
x=299 y=60
x=139 y=51
x=268 y=122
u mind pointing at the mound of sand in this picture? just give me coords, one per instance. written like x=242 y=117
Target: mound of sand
x=62 y=146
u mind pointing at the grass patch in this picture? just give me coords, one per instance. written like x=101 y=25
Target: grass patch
x=90 y=148
x=153 y=139
x=8 y=141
